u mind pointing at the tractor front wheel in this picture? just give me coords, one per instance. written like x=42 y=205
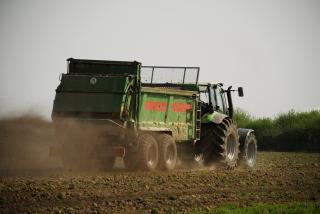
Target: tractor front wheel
x=249 y=151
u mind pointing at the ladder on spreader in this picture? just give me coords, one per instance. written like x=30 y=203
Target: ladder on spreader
x=198 y=120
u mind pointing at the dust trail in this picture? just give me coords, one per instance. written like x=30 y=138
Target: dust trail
x=24 y=144
x=83 y=143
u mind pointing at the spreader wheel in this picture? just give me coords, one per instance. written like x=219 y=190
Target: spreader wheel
x=167 y=152
x=148 y=155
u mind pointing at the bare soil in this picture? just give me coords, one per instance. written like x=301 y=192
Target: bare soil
x=277 y=178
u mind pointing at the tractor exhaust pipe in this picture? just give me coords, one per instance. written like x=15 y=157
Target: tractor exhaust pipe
x=230 y=104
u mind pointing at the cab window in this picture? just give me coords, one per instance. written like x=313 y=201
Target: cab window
x=204 y=95
x=220 y=106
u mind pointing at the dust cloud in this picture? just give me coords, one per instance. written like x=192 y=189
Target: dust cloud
x=83 y=145
x=24 y=144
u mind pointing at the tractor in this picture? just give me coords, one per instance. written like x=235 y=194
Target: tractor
x=151 y=116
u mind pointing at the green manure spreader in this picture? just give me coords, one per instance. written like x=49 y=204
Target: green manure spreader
x=151 y=116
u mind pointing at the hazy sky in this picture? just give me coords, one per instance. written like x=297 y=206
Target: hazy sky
x=271 y=47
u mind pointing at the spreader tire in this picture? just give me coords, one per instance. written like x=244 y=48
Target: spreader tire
x=148 y=155
x=167 y=152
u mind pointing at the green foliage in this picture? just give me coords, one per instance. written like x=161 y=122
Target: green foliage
x=287 y=128
x=242 y=117
x=293 y=121
x=262 y=126
x=291 y=208
x=285 y=122
x=295 y=208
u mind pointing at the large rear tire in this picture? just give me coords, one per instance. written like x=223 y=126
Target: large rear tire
x=167 y=152
x=220 y=143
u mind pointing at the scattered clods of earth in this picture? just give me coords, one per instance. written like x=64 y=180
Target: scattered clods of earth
x=277 y=178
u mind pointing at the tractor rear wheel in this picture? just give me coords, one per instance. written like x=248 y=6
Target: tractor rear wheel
x=167 y=152
x=220 y=143
x=249 y=151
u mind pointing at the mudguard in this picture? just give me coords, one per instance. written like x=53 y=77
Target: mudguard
x=215 y=117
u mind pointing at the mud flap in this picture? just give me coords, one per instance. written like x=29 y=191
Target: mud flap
x=244 y=134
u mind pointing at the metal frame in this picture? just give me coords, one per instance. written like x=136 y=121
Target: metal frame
x=174 y=67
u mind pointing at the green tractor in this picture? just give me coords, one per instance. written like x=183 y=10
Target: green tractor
x=221 y=140
x=151 y=116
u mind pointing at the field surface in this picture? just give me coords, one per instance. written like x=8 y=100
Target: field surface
x=278 y=178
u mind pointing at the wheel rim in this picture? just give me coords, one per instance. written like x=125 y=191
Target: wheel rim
x=152 y=155
x=170 y=154
x=251 y=155
x=231 y=147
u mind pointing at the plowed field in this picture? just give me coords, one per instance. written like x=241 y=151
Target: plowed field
x=277 y=178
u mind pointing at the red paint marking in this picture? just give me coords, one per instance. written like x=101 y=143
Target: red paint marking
x=155 y=106
x=181 y=107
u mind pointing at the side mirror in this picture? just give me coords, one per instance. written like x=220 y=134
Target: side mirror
x=240 y=91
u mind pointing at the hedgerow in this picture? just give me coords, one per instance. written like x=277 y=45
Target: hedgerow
x=291 y=131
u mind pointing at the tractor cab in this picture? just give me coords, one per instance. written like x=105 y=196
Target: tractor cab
x=214 y=98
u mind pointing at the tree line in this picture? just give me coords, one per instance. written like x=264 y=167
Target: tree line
x=291 y=131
